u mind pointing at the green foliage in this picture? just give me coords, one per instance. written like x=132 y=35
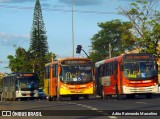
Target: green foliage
x=38 y=43
x=113 y=32
x=145 y=17
x=35 y=58
x=19 y=63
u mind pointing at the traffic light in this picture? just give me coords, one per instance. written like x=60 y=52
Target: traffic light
x=79 y=48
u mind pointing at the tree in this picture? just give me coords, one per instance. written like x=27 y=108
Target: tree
x=145 y=17
x=19 y=63
x=114 y=33
x=35 y=58
x=38 y=43
x=38 y=40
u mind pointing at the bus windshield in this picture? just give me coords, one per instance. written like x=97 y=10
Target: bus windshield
x=139 y=70
x=27 y=83
x=76 y=74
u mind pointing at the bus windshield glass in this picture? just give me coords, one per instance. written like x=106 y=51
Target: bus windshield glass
x=76 y=74
x=27 y=83
x=139 y=70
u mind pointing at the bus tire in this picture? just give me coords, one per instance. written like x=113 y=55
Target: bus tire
x=149 y=96
x=74 y=97
x=54 y=98
x=130 y=96
x=50 y=98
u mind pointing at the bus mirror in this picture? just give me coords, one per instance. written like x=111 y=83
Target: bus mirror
x=95 y=71
x=121 y=67
x=59 y=69
x=157 y=67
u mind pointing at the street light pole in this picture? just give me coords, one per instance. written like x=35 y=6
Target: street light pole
x=72 y=29
x=110 y=50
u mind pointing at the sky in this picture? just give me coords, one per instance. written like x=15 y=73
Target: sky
x=16 y=17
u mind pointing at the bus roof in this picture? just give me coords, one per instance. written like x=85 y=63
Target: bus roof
x=19 y=73
x=120 y=58
x=65 y=59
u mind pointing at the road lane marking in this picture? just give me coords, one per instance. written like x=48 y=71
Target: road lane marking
x=112 y=117
x=92 y=108
x=141 y=102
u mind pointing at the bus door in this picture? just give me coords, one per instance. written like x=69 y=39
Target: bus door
x=119 y=81
x=51 y=80
x=54 y=79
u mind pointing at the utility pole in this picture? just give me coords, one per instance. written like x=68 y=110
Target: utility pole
x=72 y=29
x=110 y=50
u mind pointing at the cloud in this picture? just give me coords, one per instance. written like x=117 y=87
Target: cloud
x=12 y=39
x=17 y=1
x=12 y=1
x=82 y=2
x=45 y=5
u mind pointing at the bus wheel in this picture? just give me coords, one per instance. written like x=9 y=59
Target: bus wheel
x=74 y=97
x=130 y=96
x=149 y=96
x=54 y=98
x=50 y=98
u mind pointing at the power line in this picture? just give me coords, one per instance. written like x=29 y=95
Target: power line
x=58 y=10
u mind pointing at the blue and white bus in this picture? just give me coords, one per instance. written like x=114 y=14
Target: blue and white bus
x=20 y=86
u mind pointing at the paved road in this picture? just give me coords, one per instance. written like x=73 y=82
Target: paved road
x=94 y=108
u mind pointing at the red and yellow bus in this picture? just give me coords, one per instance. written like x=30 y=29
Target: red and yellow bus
x=127 y=74
x=69 y=77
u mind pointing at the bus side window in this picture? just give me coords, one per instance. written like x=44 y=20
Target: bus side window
x=101 y=71
x=7 y=82
x=47 y=72
x=55 y=72
x=112 y=68
x=121 y=66
x=10 y=83
x=107 y=70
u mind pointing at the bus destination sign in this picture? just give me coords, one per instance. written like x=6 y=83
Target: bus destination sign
x=26 y=74
x=76 y=62
x=138 y=56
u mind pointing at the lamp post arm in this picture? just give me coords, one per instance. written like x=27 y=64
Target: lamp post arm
x=85 y=53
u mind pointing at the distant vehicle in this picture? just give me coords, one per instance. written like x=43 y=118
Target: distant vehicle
x=20 y=86
x=41 y=94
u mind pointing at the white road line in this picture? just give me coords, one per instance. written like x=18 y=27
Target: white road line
x=112 y=117
x=79 y=104
x=141 y=102
x=100 y=111
x=94 y=108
